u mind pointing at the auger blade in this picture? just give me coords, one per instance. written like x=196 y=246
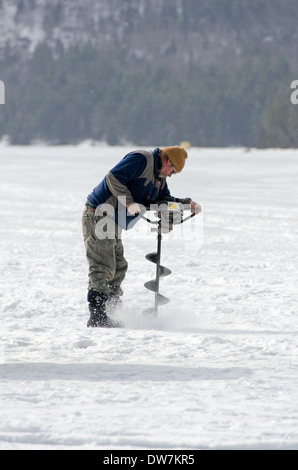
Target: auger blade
x=159 y=300
x=162 y=300
x=151 y=285
x=163 y=271
x=153 y=257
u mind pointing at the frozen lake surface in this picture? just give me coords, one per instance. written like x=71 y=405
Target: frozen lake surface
x=218 y=369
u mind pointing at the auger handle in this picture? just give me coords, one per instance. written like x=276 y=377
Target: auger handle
x=188 y=217
x=156 y=221
x=149 y=220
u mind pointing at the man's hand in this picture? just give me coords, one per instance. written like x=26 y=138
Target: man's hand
x=195 y=207
x=133 y=208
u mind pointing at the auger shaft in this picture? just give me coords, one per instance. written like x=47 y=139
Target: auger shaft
x=166 y=219
x=157 y=266
x=161 y=271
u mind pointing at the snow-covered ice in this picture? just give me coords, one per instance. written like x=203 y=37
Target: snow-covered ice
x=216 y=370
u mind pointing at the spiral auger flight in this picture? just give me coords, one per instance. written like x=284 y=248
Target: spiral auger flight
x=168 y=214
x=161 y=271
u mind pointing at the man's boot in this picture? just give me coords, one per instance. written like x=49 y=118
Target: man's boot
x=97 y=308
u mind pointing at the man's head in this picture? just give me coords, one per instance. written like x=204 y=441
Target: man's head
x=173 y=160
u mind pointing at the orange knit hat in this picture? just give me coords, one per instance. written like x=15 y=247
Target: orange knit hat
x=177 y=155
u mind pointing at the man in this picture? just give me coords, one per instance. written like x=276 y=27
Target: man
x=139 y=179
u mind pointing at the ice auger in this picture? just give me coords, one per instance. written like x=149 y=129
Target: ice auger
x=168 y=214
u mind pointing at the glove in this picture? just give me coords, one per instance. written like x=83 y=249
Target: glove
x=133 y=208
x=195 y=207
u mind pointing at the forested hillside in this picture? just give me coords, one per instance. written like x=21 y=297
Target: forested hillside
x=214 y=72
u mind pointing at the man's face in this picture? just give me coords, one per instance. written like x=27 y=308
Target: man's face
x=167 y=169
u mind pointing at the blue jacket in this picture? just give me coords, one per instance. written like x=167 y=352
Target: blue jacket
x=134 y=179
